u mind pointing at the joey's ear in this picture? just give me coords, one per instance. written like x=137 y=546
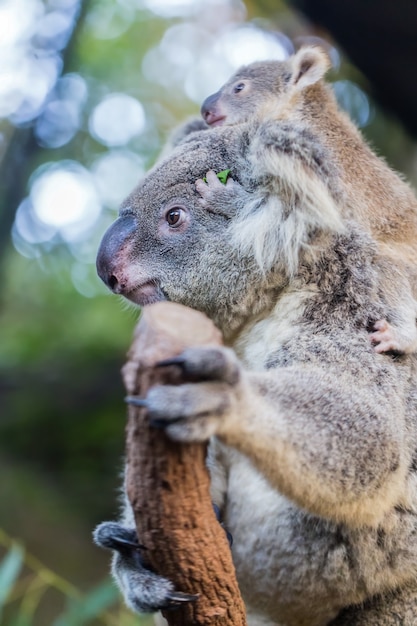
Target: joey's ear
x=309 y=65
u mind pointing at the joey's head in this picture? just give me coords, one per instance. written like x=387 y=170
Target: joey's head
x=167 y=245
x=265 y=87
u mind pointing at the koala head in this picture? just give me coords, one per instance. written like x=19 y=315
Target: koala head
x=264 y=85
x=165 y=245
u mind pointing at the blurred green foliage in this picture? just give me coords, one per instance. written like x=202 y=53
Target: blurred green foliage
x=25 y=584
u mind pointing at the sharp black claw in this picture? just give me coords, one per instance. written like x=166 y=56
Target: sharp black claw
x=136 y=401
x=216 y=511
x=113 y=536
x=128 y=543
x=176 y=360
x=218 y=517
x=159 y=424
x=176 y=598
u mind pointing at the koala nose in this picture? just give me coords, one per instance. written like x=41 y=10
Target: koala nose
x=112 y=256
x=208 y=106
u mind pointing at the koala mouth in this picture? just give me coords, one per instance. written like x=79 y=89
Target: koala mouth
x=146 y=293
x=215 y=120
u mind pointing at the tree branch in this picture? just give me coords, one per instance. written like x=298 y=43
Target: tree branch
x=168 y=482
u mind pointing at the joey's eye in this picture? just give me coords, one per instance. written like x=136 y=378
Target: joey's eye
x=175 y=216
x=238 y=87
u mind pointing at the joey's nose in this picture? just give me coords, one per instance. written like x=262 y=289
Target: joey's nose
x=113 y=254
x=208 y=107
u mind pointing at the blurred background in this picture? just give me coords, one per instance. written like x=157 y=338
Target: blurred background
x=89 y=91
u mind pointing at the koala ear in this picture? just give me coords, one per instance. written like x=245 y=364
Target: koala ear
x=309 y=65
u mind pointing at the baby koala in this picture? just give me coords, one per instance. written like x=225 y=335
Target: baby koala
x=302 y=128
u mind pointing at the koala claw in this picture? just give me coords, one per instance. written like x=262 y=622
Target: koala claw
x=194 y=410
x=176 y=360
x=114 y=536
x=206 y=364
x=176 y=598
x=162 y=424
x=218 y=518
x=143 y=590
x=136 y=401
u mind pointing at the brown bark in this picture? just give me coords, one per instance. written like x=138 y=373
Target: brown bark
x=168 y=483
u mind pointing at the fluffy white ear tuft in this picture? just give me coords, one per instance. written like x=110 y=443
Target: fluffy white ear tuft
x=309 y=65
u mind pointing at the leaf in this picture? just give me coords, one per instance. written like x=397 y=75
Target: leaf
x=223 y=176
x=90 y=606
x=9 y=571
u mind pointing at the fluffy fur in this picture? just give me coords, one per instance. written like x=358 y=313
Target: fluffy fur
x=313 y=441
x=302 y=131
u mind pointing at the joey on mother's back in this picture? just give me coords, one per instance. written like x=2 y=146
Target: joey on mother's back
x=299 y=110
x=313 y=437
x=303 y=128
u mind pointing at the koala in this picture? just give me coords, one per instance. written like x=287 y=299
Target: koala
x=307 y=125
x=312 y=434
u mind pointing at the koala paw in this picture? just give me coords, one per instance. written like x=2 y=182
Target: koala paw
x=385 y=338
x=218 y=197
x=143 y=590
x=194 y=411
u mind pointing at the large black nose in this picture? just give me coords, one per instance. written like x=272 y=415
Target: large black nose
x=113 y=253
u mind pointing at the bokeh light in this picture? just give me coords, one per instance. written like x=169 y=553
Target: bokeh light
x=54 y=29
x=203 y=61
x=117 y=119
x=63 y=195
x=115 y=174
x=247 y=44
x=354 y=101
x=29 y=227
x=18 y=20
x=174 y=8
x=110 y=20
x=31 y=38
x=61 y=117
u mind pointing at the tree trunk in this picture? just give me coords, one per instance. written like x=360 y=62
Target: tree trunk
x=168 y=483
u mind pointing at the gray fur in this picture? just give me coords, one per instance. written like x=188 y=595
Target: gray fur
x=302 y=129
x=313 y=436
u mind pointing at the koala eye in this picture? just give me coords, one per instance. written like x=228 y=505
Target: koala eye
x=175 y=216
x=238 y=87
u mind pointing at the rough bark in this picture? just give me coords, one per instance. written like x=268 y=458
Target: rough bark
x=168 y=482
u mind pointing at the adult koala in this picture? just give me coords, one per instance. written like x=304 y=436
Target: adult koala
x=313 y=434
